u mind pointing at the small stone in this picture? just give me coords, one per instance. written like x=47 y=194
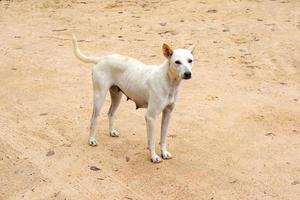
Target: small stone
x=168 y=32
x=232 y=181
x=94 y=168
x=269 y=134
x=295 y=131
x=295 y=182
x=50 y=153
x=212 y=11
x=212 y=98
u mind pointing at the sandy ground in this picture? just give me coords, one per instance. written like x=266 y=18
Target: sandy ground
x=235 y=133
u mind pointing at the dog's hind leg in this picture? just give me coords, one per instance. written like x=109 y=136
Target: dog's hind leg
x=116 y=96
x=99 y=98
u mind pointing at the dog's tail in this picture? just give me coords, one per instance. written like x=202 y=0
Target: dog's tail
x=81 y=56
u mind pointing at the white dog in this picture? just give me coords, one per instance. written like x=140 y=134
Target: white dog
x=154 y=87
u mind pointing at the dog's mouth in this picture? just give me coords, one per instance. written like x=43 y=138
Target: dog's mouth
x=186 y=77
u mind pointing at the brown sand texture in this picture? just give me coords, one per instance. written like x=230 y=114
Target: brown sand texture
x=235 y=131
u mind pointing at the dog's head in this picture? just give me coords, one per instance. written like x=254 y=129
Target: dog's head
x=180 y=59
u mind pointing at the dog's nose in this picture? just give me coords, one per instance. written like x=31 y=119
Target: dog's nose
x=187 y=75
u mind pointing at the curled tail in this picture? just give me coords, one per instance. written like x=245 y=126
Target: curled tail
x=81 y=56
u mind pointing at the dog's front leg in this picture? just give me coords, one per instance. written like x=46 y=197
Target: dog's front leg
x=150 y=121
x=164 y=126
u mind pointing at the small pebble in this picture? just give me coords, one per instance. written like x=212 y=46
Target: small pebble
x=50 y=153
x=295 y=182
x=94 y=168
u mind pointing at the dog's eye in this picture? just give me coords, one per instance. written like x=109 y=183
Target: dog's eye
x=190 y=61
x=177 y=62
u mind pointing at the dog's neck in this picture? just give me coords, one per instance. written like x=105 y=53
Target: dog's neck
x=172 y=76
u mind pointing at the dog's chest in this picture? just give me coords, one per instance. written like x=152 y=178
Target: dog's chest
x=172 y=95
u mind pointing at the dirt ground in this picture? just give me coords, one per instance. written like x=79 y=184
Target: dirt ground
x=235 y=132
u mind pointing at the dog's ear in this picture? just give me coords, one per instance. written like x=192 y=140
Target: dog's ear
x=167 y=50
x=192 y=48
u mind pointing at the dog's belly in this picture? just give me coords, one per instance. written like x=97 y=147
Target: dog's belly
x=139 y=100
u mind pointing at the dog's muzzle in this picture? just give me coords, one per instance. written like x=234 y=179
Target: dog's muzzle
x=187 y=75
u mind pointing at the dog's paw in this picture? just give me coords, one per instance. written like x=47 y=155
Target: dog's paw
x=114 y=133
x=166 y=155
x=92 y=142
x=155 y=159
